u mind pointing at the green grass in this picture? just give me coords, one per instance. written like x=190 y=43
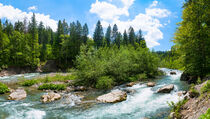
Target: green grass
x=52 y=87
x=3 y=88
x=47 y=79
x=206 y=115
x=206 y=87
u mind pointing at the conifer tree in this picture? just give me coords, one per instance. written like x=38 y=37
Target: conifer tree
x=125 y=38
x=108 y=36
x=131 y=36
x=114 y=33
x=98 y=35
x=85 y=33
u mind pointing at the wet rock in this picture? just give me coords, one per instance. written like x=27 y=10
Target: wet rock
x=173 y=73
x=151 y=84
x=80 y=88
x=130 y=84
x=166 y=89
x=172 y=115
x=18 y=94
x=193 y=94
x=50 y=97
x=130 y=91
x=113 y=97
x=181 y=93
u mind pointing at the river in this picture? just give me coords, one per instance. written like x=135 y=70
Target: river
x=145 y=102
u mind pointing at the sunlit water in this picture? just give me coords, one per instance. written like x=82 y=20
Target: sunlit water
x=145 y=102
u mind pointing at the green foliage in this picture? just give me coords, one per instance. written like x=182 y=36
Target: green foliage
x=3 y=88
x=192 y=38
x=98 y=35
x=206 y=115
x=206 y=87
x=104 y=82
x=29 y=82
x=52 y=87
x=119 y=63
x=177 y=107
x=193 y=91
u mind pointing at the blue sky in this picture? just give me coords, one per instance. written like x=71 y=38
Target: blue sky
x=156 y=18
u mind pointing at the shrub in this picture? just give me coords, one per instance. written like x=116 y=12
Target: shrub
x=206 y=115
x=177 y=107
x=29 y=82
x=141 y=76
x=118 y=63
x=206 y=87
x=3 y=88
x=52 y=87
x=104 y=82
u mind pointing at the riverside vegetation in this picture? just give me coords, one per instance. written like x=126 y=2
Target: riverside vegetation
x=108 y=59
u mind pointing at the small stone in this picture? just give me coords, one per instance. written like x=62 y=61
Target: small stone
x=166 y=89
x=113 y=97
x=151 y=84
x=130 y=84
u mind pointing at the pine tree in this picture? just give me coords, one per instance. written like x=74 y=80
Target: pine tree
x=85 y=33
x=114 y=33
x=34 y=41
x=118 y=40
x=125 y=38
x=98 y=35
x=108 y=36
x=140 y=39
x=131 y=36
x=19 y=26
x=65 y=27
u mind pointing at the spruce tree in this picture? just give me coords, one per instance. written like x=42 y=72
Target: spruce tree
x=98 y=35
x=85 y=33
x=131 y=36
x=108 y=36
x=125 y=38
x=34 y=41
x=114 y=33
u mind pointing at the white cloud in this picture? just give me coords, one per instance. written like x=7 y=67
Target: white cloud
x=154 y=3
x=32 y=8
x=15 y=14
x=148 y=22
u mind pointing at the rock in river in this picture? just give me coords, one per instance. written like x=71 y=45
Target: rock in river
x=151 y=84
x=18 y=94
x=173 y=73
x=113 y=97
x=50 y=97
x=130 y=84
x=166 y=89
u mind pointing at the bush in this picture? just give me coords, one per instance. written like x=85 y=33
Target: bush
x=104 y=82
x=29 y=82
x=177 y=107
x=206 y=87
x=3 y=88
x=206 y=115
x=118 y=63
x=52 y=87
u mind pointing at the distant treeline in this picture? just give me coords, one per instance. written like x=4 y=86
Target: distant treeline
x=28 y=43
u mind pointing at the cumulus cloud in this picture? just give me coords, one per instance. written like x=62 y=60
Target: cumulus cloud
x=32 y=8
x=15 y=14
x=148 y=22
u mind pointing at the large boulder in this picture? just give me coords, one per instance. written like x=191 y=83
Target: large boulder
x=50 y=66
x=113 y=97
x=18 y=94
x=166 y=89
x=50 y=97
x=151 y=84
x=189 y=78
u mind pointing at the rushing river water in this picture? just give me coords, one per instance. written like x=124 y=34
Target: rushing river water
x=145 y=102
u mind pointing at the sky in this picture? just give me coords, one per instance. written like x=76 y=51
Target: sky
x=156 y=18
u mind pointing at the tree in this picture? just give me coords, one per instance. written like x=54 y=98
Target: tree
x=65 y=27
x=34 y=41
x=19 y=26
x=118 y=40
x=131 y=36
x=140 y=39
x=98 y=35
x=57 y=41
x=85 y=33
x=108 y=36
x=192 y=37
x=114 y=33
x=125 y=38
